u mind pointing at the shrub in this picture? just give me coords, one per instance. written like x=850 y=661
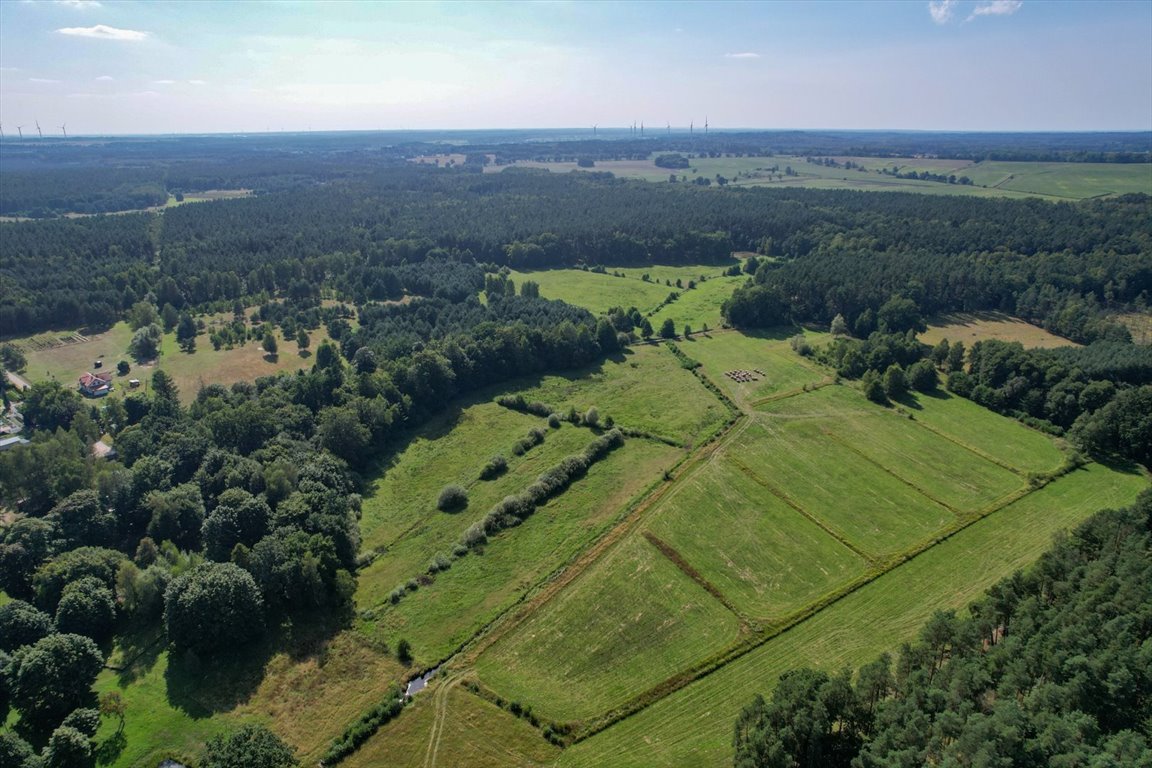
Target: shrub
x=404 y=651
x=554 y=420
x=452 y=498
x=592 y=417
x=496 y=466
x=439 y=563
x=800 y=345
x=396 y=595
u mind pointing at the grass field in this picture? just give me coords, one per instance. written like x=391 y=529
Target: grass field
x=970 y=327
x=764 y=556
x=594 y=291
x=475 y=733
x=1074 y=181
x=784 y=371
x=699 y=306
x=629 y=623
x=644 y=388
x=862 y=503
x=67 y=362
x=940 y=469
x=437 y=618
x=693 y=727
x=1140 y=325
x=307 y=696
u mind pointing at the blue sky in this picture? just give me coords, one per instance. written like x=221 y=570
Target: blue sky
x=157 y=67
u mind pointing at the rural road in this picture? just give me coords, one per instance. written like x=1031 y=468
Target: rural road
x=18 y=381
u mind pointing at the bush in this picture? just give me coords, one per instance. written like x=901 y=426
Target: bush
x=554 y=420
x=800 y=345
x=365 y=727
x=439 y=563
x=452 y=498
x=592 y=417
x=404 y=652
x=496 y=466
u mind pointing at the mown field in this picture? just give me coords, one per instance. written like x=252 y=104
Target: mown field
x=970 y=327
x=1068 y=181
x=693 y=727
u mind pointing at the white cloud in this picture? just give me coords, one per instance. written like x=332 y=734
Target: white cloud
x=42 y=80
x=745 y=55
x=80 y=4
x=996 y=8
x=9 y=69
x=941 y=10
x=103 y=32
x=105 y=79
x=197 y=82
x=163 y=82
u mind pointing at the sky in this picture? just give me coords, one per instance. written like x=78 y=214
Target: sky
x=149 y=66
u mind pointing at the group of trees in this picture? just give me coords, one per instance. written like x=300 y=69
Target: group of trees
x=1048 y=668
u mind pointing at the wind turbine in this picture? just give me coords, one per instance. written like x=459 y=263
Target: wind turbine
x=38 y=129
x=691 y=128
x=669 y=129
x=593 y=130
x=20 y=130
x=705 y=126
x=65 y=129
x=641 y=127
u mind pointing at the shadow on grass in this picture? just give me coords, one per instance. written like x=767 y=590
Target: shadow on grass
x=139 y=650
x=109 y=750
x=201 y=686
x=779 y=333
x=909 y=400
x=1120 y=464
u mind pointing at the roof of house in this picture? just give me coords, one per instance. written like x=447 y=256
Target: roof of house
x=96 y=380
x=11 y=442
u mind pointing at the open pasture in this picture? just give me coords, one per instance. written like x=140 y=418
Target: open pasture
x=1000 y=438
x=1139 y=324
x=783 y=370
x=453 y=448
x=438 y=617
x=860 y=502
x=455 y=727
x=970 y=327
x=942 y=470
x=644 y=388
x=630 y=622
x=1072 y=181
x=764 y=556
x=594 y=291
x=693 y=727
x=699 y=306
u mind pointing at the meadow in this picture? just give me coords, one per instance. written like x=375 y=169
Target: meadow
x=970 y=327
x=1067 y=181
x=67 y=361
x=693 y=727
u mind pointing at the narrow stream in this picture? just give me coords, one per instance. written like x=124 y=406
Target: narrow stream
x=419 y=683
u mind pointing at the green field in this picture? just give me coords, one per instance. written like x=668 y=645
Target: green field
x=693 y=727
x=594 y=291
x=454 y=728
x=764 y=556
x=438 y=618
x=700 y=306
x=629 y=623
x=1074 y=181
x=858 y=501
x=645 y=388
x=783 y=370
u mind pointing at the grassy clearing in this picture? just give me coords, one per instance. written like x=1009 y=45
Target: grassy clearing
x=190 y=372
x=693 y=727
x=699 y=306
x=1002 y=438
x=438 y=618
x=594 y=291
x=942 y=470
x=475 y=733
x=307 y=696
x=769 y=352
x=768 y=559
x=632 y=621
x=644 y=388
x=658 y=273
x=453 y=448
x=1140 y=325
x=858 y=501
x=970 y=327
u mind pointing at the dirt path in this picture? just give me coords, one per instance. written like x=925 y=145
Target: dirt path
x=18 y=381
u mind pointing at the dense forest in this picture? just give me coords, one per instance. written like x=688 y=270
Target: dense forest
x=1049 y=668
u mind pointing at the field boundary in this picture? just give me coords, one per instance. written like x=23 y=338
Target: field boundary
x=678 y=560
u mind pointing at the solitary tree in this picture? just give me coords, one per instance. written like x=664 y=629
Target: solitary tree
x=269 y=343
x=668 y=329
x=302 y=340
x=53 y=677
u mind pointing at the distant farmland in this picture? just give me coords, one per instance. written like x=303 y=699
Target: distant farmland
x=1057 y=181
